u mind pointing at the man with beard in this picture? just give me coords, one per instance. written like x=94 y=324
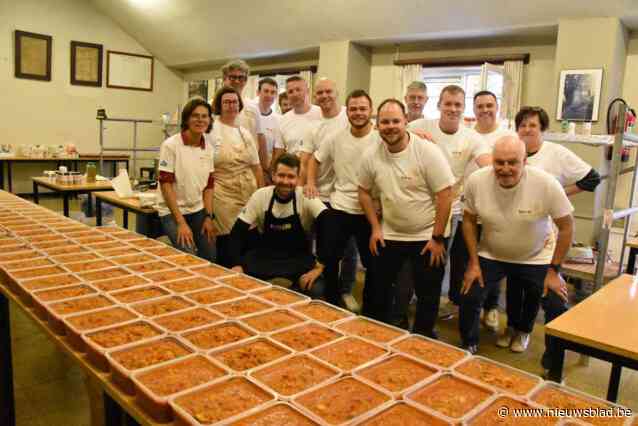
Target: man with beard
x=416 y=96
x=414 y=182
x=284 y=218
x=321 y=182
x=461 y=147
x=343 y=152
x=517 y=205
x=235 y=75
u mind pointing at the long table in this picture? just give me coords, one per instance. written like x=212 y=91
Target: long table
x=73 y=163
x=601 y=326
x=68 y=190
x=127 y=205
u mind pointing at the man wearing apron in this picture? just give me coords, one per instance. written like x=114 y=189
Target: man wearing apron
x=283 y=217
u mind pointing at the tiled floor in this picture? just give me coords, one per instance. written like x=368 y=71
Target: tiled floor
x=50 y=389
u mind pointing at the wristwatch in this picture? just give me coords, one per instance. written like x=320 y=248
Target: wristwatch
x=438 y=238
x=556 y=267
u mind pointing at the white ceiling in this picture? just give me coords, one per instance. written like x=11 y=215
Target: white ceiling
x=185 y=33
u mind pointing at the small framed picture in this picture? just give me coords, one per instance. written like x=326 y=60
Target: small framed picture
x=86 y=64
x=579 y=95
x=33 y=55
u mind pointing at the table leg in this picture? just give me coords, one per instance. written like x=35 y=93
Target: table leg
x=7 y=402
x=98 y=212
x=631 y=261
x=10 y=175
x=89 y=204
x=65 y=205
x=125 y=218
x=558 y=359
x=115 y=168
x=112 y=411
x=2 y=175
x=614 y=382
x=36 y=196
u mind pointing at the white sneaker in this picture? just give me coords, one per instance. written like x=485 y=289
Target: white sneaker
x=350 y=303
x=490 y=319
x=520 y=343
x=505 y=339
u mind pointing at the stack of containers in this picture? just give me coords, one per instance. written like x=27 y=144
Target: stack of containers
x=200 y=344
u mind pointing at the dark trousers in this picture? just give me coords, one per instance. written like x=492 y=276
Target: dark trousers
x=340 y=227
x=524 y=293
x=427 y=283
x=203 y=248
x=553 y=306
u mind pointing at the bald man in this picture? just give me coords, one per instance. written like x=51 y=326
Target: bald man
x=517 y=205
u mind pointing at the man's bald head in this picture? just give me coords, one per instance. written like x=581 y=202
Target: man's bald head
x=509 y=158
x=326 y=96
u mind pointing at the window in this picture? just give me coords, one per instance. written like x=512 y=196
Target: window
x=471 y=78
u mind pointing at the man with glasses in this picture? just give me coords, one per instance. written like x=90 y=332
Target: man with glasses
x=416 y=96
x=235 y=75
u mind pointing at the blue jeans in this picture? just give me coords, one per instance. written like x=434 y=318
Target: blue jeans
x=203 y=248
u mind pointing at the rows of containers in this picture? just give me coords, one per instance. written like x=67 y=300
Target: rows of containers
x=199 y=344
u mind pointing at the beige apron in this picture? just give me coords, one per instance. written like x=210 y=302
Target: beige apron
x=234 y=179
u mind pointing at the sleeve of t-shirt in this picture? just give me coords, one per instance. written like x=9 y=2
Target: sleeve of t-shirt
x=167 y=158
x=312 y=206
x=309 y=140
x=559 y=205
x=573 y=167
x=478 y=146
x=435 y=167
x=252 y=148
x=279 y=141
x=417 y=124
x=469 y=195
x=325 y=151
x=366 y=173
x=253 y=209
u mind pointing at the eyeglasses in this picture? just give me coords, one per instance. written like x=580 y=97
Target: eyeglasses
x=236 y=77
x=229 y=102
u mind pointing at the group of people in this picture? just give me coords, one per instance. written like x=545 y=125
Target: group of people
x=302 y=197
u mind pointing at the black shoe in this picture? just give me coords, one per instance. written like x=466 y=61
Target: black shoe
x=473 y=349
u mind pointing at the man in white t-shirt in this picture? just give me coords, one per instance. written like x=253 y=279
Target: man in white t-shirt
x=333 y=120
x=414 y=182
x=235 y=74
x=296 y=123
x=461 y=147
x=517 y=205
x=342 y=151
x=270 y=120
x=284 y=218
x=416 y=96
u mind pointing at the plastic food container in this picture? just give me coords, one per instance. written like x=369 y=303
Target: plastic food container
x=281 y=296
x=154 y=385
x=153 y=266
x=218 y=335
x=118 y=250
x=349 y=353
x=246 y=355
x=133 y=258
x=66 y=249
x=168 y=275
x=146 y=243
x=430 y=350
x=31 y=263
x=93 y=265
x=402 y=413
x=241 y=307
x=306 y=336
x=186 y=260
x=342 y=401
x=225 y=400
x=24 y=288
x=553 y=395
x=125 y=360
x=77 y=324
x=58 y=310
x=186 y=320
x=188 y=284
x=451 y=396
x=217 y=294
x=500 y=410
x=273 y=320
x=104 y=245
x=75 y=257
x=160 y=306
x=294 y=374
x=103 y=274
x=124 y=282
x=278 y=413
x=137 y=294
x=163 y=251
x=370 y=329
x=500 y=376
x=244 y=283
x=41 y=297
x=396 y=374
x=322 y=312
x=25 y=274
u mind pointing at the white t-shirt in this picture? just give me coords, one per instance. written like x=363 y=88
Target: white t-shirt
x=559 y=162
x=489 y=139
x=407 y=182
x=517 y=222
x=270 y=127
x=313 y=140
x=250 y=119
x=343 y=152
x=460 y=149
x=191 y=166
x=294 y=128
x=255 y=210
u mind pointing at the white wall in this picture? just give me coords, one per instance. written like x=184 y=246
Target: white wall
x=55 y=112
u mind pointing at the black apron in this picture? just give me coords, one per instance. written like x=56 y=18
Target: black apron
x=283 y=249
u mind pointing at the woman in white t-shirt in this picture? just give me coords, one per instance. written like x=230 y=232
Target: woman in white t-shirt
x=237 y=169
x=185 y=193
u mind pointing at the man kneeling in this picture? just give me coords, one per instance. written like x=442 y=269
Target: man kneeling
x=284 y=218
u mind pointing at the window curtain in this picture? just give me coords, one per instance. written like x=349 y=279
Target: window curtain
x=214 y=85
x=307 y=75
x=250 y=90
x=512 y=90
x=407 y=74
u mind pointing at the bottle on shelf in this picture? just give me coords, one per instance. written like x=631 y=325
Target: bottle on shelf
x=91 y=172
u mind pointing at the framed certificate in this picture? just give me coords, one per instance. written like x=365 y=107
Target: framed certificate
x=33 y=55
x=129 y=71
x=86 y=64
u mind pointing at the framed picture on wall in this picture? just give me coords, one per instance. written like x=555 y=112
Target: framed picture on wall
x=86 y=64
x=579 y=95
x=129 y=71
x=198 y=88
x=33 y=55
